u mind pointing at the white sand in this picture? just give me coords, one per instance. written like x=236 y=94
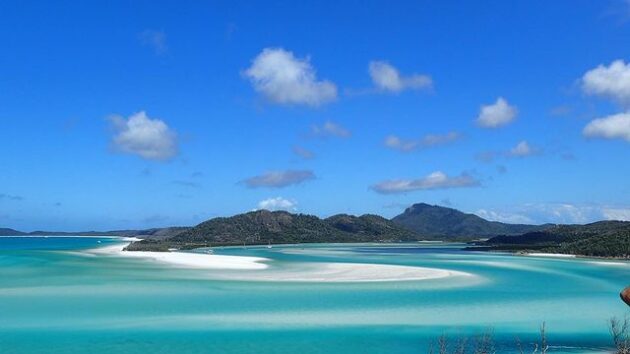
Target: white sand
x=610 y=263
x=349 y=272
x=187 y=259
x=558 y=255
x=300 y=272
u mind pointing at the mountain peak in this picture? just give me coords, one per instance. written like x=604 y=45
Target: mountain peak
x=438 y=221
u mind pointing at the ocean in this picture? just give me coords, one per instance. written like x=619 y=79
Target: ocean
x=57 y=296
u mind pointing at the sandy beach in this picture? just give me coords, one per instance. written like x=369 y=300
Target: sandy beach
x=186 y=259
x=557 y=255
x=349 y=272
x=304 y=272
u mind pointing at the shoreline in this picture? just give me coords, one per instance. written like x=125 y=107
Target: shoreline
x=72 y=236
x=550 y=255
x=521 y=253
x=328 y=272
x=185 y=259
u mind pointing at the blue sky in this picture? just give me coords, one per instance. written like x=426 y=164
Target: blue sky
x=130 y=114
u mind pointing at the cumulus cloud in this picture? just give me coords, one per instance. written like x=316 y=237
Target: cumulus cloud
x=303 y=153
x=522 y=149
x=612 y=81
x=616 y=126
x=277 y=203
x=279 y=179
x=154 y=39
x=435 y=180
x=397 y=143
x=140 y=135
x=387 y=78
x=284 y=79
x=497 y=114
x=330 y=129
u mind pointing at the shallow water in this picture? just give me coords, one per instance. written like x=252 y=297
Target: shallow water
x=55 y=297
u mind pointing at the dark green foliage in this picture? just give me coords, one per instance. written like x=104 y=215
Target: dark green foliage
x=263 y=226
x=599 y=239
x=607 y=245
x=436 y=221
x=375 y=226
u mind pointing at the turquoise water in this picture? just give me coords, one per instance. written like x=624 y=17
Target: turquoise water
x=57 y=298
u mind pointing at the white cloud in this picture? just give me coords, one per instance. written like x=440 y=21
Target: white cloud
x=277 y=203
x=435 y=180
x=140 y=135
x=522 y=149
x=387 y=78
x=282 y=78
x=279 y=179
x=622 y=214
x=503 y=217
x=497 y=114
x=397 y=143
x=557 y=213
x=611 y=81
x=154 y=39
x=616 y=126
x=330 y=129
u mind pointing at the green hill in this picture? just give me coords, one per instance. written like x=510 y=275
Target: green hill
x=374 y=226
x=263 y=226
x=440 y=222
x=600 y=239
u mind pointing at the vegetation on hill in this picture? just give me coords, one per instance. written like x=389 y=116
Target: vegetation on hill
x=375 y=226
x=419 y=222
x=263 y=226
x=438 y=221
x=599 y=239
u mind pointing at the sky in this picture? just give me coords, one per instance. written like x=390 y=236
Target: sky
x=135 y=114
